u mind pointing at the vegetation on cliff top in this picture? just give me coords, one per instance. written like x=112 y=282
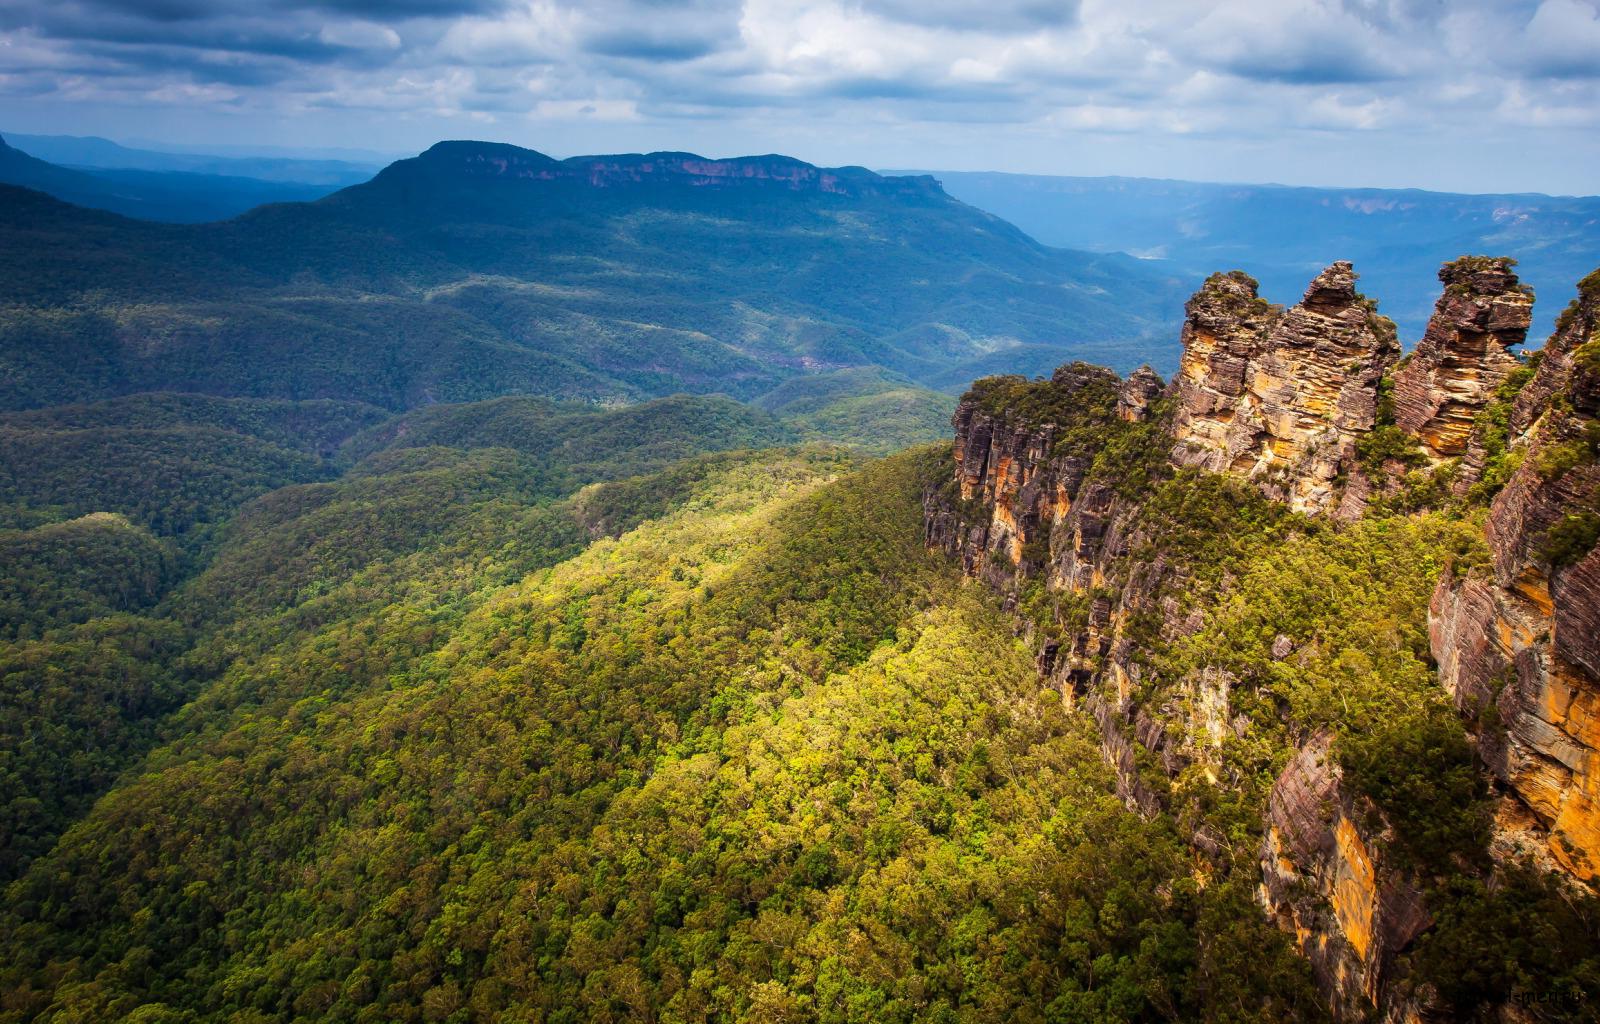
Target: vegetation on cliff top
x=1307 y=627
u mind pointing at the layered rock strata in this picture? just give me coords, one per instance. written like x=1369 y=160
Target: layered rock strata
x=1281 y=397
x=1324 y=880
x=1464 y=355
x=1518 y=641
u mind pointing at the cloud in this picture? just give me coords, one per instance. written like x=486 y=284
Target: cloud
x=1000 y=15
x=1562 y=40
x=1248 y=73
x=1297 y=42
x=656 y=30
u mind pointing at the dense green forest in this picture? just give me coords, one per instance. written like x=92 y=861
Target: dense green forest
x=406 y=617
x=522 y=710
x=759 y=757
x=135 y=527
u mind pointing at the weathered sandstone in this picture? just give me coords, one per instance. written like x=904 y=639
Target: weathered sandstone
x=1518 y=642
x=1281 y=398
x=1464 y=355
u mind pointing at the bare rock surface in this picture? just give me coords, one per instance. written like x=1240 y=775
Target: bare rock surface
x=1518 y=643
x=1464 y=355
x=1281 y=398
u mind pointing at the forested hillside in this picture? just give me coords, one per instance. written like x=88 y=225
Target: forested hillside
x=528 y=590
x=477 y=270
x=524 y=710
x=759 y=757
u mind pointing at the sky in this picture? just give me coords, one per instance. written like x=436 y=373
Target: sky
x=1459 y=95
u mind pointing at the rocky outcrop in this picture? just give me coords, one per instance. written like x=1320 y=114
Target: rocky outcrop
x=1280 y=398
x=1518 y=641
x=1026 y=505
x=1020 y=485
x=1325 y=881
x=1022 y=508
x=1138 y=394
x=1464 y=355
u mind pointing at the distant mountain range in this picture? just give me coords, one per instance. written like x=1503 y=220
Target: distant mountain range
x=1397 y=238
x=177 y=196
x=479 y=269
x=94 y=152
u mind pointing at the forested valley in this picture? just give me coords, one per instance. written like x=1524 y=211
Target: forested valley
x=399 y=625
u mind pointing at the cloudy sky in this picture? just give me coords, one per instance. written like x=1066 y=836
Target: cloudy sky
x=1471 y=95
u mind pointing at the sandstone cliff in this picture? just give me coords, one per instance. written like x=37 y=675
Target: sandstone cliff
x=1078 y=499
x=1052 y=523
x=1281 y=397
x=1518 y=641
x=1324 y=879
x=1464 y=355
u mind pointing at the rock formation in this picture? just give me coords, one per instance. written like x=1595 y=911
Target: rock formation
x=1464 y=355
x=1017 y=471
x=1518 y=642
x=1280 y=397
x=1137 y=394
x=1324 y=880
x=1025 y=503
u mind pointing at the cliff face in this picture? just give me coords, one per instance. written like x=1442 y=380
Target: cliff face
x=1029 y=513
x=1518 y=642
x=497 y=160
x=1023 y=487
x=1280 y=397
x=1464 y=355
x=1324 y=880
x=1064 y=498
x=1024 y=509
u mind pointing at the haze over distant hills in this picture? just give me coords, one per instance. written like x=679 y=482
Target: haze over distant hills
x=91 y=151
x=1282 y=235
x=478 y=269
x=142 y=189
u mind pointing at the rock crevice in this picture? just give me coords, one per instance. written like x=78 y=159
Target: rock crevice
x=1280 y=397
x=1464 y=355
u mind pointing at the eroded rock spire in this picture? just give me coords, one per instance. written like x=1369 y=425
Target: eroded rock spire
x=1464 y=355
x=1281 y=397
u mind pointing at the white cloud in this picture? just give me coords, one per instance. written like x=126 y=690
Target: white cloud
x=359 y=35
x=1244 y=73
x=1563 y=39
x=588 y=110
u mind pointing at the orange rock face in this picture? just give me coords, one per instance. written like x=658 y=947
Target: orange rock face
x=1324 y=880
x=1280 y=397
x=1464 y=355
x=1518 y=645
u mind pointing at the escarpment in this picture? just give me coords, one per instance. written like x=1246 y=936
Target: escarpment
x=1281 y=397
x=1518 y=640
x=1200 y=571
x=1323 y=879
